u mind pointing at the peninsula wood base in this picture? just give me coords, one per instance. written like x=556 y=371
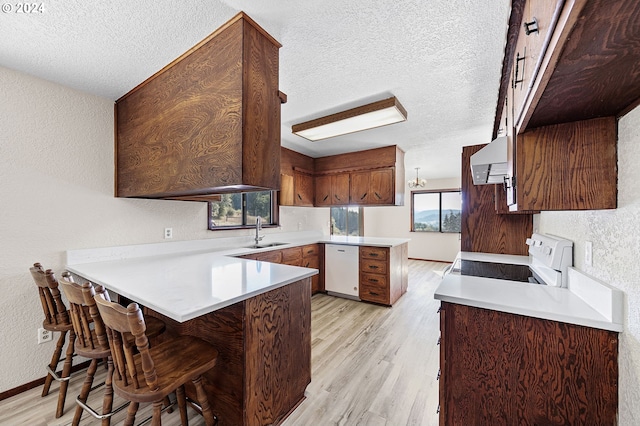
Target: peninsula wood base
x=264 y=363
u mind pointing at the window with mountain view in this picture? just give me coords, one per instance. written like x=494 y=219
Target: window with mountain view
x=436 y=211
x=241 y=210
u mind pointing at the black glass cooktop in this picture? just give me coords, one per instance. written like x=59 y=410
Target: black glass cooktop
x=501 y=271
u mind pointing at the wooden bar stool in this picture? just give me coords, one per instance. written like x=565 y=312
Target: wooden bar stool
x=56 y=318
x=91 y=342
x=153 y=373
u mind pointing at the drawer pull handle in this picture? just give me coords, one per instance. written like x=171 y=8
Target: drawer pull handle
x=373 y=293
x=531 y=27
x=373 y=267
x=378 y=195
x=373 y=254
x=373 y=280
x=299 y=197
x=438 y=377
x=438 y=340
x=325 y=198
x=438 y=410
x=363 y=196
x=515 y=79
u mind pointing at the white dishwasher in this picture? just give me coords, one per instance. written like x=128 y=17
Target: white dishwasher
x=341 y=271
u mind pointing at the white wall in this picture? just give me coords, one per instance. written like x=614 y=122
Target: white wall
x=56 y=187
x=395 y=222
x=616 y=239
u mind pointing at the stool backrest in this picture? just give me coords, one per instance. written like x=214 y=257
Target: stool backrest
x=123 y=323
x=55 y=311
x=90 y=331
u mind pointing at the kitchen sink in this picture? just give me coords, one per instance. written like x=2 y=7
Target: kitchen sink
x=259 y=246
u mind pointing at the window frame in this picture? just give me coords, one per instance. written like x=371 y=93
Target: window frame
x=360 y=219
x=439 y=192
x=275 y=217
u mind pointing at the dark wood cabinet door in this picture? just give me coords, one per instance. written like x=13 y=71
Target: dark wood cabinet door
x=323 y=191
x=382 y=187
x=501 y=368
x=303 y=189
x=340 y=189
x=360 y=187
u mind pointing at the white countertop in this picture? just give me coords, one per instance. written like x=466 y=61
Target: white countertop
x=363 y=241
x=586 y=302
x=185 y=279
x=185 y=286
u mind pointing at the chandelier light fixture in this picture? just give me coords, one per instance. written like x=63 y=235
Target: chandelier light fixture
x=376 y=114
x=417 y=183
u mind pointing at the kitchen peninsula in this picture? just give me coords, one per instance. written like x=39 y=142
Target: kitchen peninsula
x=257 y=314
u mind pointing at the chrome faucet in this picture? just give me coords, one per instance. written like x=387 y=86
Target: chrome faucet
x=258 y=229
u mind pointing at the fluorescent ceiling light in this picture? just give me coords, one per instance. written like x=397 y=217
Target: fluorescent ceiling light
x=381 y=113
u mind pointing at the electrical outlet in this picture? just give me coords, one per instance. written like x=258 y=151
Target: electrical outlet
x=168 y=233
x=588 y=253
x=44 y=335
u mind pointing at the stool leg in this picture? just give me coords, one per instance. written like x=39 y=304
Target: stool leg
x=107 y=401
x=182 y=405
x=131 y=414
x=66 y=372
x=54 y=362
x=84 y=393
x=203 y=401
x=157 y=412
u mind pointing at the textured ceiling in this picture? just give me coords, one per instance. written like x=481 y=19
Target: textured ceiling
x=440 y=58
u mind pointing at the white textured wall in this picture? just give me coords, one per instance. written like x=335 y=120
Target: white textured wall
x=56 y=187
x=395 y=222
x=616 y=239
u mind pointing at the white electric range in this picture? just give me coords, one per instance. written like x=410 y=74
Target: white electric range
x=542 y=285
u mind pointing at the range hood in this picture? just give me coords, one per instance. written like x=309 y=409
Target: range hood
x=489 y=165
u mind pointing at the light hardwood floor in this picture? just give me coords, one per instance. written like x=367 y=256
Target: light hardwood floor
x=371 y=365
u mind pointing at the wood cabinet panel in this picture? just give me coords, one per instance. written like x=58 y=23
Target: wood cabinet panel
x=502 y=368
x=207 y=121
x=292 y=256
x=360 y=187
x=303 y=189
x=570 y=166
x=376 y=253
x=374 y=187
x=340 y=189
x=482 y=229
x=371 y=291
x=323 y=191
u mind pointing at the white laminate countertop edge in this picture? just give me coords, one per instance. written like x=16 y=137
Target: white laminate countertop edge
x=538 y=301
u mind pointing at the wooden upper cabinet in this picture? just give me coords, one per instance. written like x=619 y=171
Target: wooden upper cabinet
x=332 y=190
x=373 y=187
x=323 y=191
x=207 y=123
x=297 y=179
x=366 y=178
x=538 y=22
x=569 y=62
x=303 y=189
x=569 y=166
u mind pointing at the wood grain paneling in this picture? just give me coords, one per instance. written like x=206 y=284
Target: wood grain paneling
x=207 y=121
x=482 y=229
x=264 y=361
x=568 y=166
x=502 y=368
x=369 y=159
x=597 y=73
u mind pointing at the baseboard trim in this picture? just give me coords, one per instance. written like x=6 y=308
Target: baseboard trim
x=431 y=260
x=38 y=382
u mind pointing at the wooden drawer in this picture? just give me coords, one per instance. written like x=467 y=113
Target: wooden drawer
x=373 y=293
x=373 y=266
x=379 y=253
x=310 y=250
x=292 y=256
x=311 y=262
x=374 y=281
x=274 y=256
